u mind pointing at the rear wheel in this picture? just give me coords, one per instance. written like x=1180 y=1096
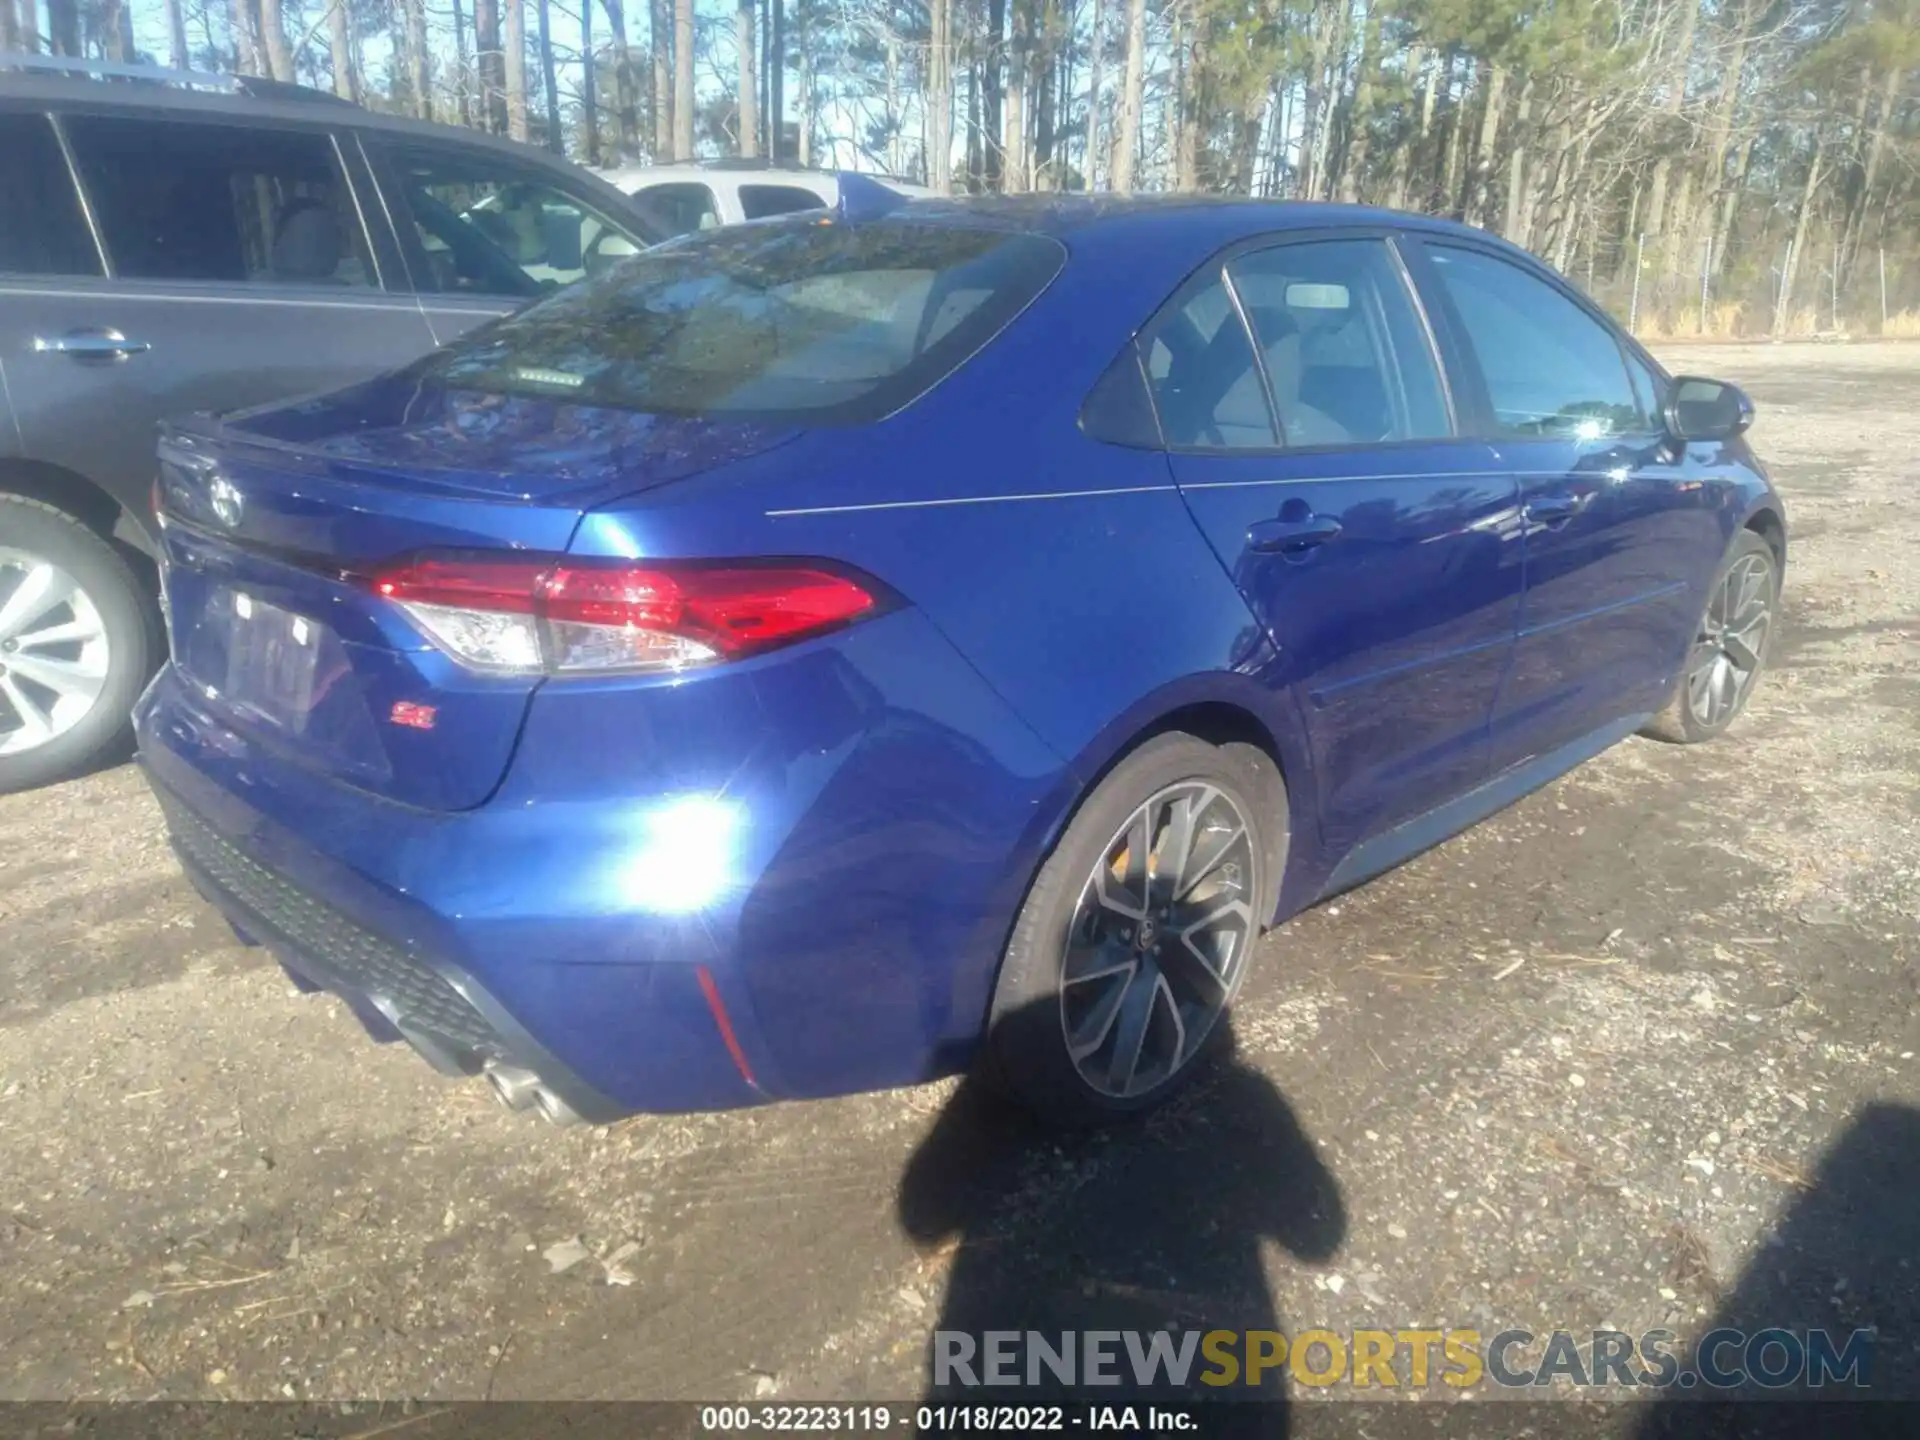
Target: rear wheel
x=1730 y=649
x=1138 y=931
x=77 y=641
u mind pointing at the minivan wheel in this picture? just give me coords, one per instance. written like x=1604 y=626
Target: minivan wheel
x=1138 y=931
x=1730 y=648
x=77 y=641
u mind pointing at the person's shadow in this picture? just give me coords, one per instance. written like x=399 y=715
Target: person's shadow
x=1155 y=1224
x=1844 y=1261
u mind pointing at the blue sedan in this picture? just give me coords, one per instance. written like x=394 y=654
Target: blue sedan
x=825 y=654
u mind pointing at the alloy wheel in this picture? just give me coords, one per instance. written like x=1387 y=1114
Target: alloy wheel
x=54 y=655
x=1732 y=641
x=1158 y=939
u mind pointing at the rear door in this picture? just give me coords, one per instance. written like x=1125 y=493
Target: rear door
x=1375 y=546
x=233 y=267
x=485 y=233
x=45 y=246
x=1618 y=537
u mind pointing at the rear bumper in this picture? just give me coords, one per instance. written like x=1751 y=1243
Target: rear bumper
x=847 y=940
x=610 y=1039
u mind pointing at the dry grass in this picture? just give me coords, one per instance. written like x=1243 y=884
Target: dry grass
x=1903 y=326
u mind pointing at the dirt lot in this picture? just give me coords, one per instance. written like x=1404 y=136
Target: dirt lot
x=1638 y=1051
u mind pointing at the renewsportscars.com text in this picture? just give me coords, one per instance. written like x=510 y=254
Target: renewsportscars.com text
x=1414 y=1358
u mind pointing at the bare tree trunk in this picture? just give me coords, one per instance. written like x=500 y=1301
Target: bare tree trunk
x=1519 y=217
x=513 y=45
x=660 y=41
x=1095 y=46
x=743 y=42
x=27 y=36
x=463 y=78
x=1481 y=203
x=1186 y=105
x=940 y=96
x=1126 y=137
x=1013 y=139
x=683 y=96
x=976 y=160
x=1784 y=310
x=1676 y=99
x=589 y=96
x=1420 y=67
x=992 y=97
x=1045 y=86
x=273 y=33
x=63 y=27
x=626 y=117
x=178 y=52
x=417 y=59
x=488 y=66
x=549 y=78
x=1353 y=172
x=10 y=30
x=1456 y=127
x=340 y=49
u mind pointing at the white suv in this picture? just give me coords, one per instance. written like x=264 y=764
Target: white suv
x=699 y=195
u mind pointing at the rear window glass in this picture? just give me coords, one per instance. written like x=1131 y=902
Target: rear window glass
x=834 y=322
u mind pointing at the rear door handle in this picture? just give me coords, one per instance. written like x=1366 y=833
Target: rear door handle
x=90 y=345
x=1553 y=510
x=1268 y=536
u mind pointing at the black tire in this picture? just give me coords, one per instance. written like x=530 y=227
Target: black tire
x=1026 y=1053
x=1678 y=722
x=129 y=616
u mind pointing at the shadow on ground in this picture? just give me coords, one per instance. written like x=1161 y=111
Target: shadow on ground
x=1844 y=1261
x=1145 y=1227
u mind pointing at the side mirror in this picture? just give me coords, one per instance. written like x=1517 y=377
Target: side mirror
x=1701 y=409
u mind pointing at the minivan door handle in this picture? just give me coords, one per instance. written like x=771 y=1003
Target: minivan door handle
x=1290 y=536
x=94 y=344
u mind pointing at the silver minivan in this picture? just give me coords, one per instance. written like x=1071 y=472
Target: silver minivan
x=173 y=242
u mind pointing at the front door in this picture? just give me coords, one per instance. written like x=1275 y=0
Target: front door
x=1610 y=524
x=1377 y=549
x=236 y=271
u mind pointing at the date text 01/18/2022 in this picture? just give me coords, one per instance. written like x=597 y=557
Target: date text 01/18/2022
x=1007 y=1419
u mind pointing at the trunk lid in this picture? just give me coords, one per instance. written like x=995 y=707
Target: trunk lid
x=274 y=518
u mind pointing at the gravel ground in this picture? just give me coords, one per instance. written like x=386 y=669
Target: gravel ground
x=1638 y=1051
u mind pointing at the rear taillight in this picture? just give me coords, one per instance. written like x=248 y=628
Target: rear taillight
x=564 y=615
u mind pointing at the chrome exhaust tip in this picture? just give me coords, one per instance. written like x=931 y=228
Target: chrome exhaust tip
x=553 y=1109
x=513 y=1087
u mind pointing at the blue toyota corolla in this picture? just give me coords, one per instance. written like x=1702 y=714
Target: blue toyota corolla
x=823 y=654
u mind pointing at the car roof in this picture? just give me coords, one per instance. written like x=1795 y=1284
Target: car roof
x=738 y=172
x=280 y=104
x=1219 y=219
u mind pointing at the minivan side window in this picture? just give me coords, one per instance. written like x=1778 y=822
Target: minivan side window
x=241 y=204
x=759 y=201
x=1200 y=367
x=490 y=228
x=42 y=228
x=1346 y=354
x=683 y=206
x=1550 y=368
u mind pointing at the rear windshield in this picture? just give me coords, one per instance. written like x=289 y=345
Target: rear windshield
x=831 y=321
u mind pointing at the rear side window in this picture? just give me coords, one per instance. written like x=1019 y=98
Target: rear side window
x=1551 y=369
x=1206 y=384
x=1345 y=352
x=42 y=230
x=683 y=207
x=219 y=202
x=836 y=323
x=757 y=202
